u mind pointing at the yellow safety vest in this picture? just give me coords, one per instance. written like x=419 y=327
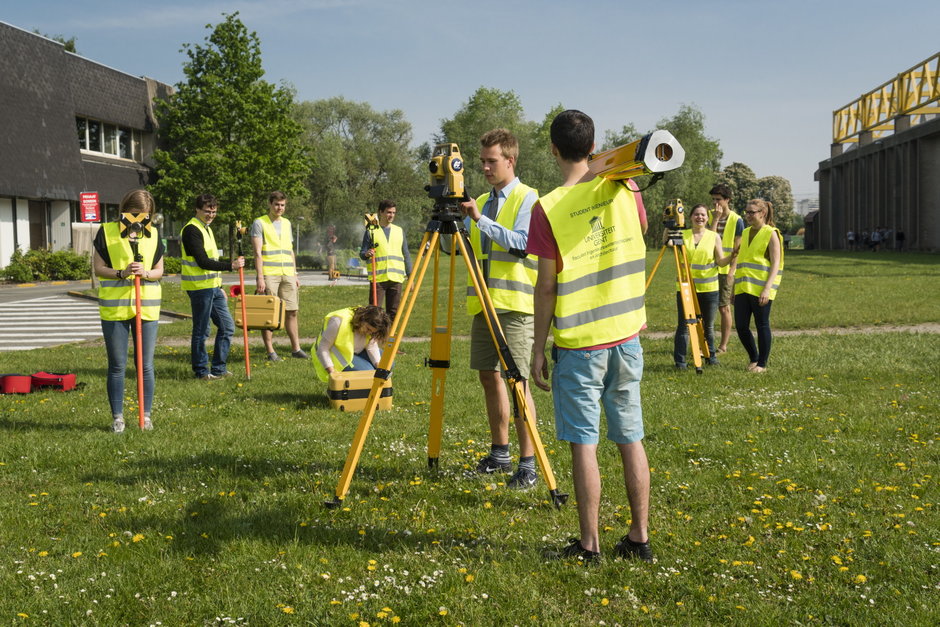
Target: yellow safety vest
x=277 y=255
x=753 y=268
x=511 y=282
x=600 y=289
x=116 y=298
x=342 y=351
x=193 y=277
x=727 y=237
x=389 y=263
x=702 y=260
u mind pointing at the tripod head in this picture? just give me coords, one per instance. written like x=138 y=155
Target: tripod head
x=674 y=221
x=447 y=184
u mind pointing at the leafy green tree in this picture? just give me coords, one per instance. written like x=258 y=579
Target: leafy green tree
x=490 y=108
x=363 y=156
x=227 y=131
x=743 y=183
x=68 y=44
x=776 y=189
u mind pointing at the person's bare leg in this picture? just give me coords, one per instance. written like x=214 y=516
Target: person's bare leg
x=587 y=491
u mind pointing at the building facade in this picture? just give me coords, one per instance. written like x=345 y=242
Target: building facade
x=67 y=125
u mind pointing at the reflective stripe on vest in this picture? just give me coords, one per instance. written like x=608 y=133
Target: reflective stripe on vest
x=753 y=267
x=193 y=277
x=389 y=263
x=116 y=298
x=600 y=289
x=342 y=351
x=702 y=260
x=511 y=282
x=277 y=254
x=727 y=237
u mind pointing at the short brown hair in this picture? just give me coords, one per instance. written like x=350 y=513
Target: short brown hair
x=276 y=195
x=507 y=142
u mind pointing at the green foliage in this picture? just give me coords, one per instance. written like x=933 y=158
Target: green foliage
x=362 y=157
x=490 y=108
x=776 y=189
x=44 y=265
x=743 y=183
x=172 y=265
x=227 y=131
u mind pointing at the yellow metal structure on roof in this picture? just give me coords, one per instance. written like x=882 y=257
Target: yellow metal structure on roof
x=914 y=92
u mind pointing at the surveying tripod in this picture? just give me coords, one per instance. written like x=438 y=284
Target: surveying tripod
x=674 y=219
x=446 y=220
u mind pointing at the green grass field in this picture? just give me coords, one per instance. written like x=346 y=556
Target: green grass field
x=807 y=495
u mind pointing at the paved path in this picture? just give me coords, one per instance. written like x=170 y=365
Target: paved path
x=47 y=321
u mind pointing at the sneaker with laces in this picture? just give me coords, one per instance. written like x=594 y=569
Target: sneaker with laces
x=118 y=425
x=300 y=354
x=574 y=550
x=209 y=377
x=488 y=466
x=523 y=479
x=227 y=373
x=148 y=426
x=272 y=356
x=628 y=549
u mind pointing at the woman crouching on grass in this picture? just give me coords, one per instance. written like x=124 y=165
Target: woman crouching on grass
x=115 y=268
x=757 y=273
x=350 y=340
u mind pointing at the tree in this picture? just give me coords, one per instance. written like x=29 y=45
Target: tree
x=743 y=183
x=226 y=131
x=776 y=189
x=363 y=156
x=490 y=108
x=68 y=44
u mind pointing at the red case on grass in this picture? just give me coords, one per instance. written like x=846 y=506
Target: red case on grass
x=57 y=380
x=16 y=383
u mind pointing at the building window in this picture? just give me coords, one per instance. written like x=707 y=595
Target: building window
x=108 y=139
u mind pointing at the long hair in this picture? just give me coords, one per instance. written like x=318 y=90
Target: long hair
x=138 y=201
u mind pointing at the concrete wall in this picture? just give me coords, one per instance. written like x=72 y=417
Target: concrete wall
x=6 y=234
x=891 y=183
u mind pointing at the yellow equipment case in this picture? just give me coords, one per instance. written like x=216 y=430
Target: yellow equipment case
x=348 y=391
x=262 y=311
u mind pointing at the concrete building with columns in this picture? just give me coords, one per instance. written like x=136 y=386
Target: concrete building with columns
x=884 y=167
x=67 y=125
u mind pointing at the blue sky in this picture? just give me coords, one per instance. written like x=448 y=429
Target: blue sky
x=766 y=75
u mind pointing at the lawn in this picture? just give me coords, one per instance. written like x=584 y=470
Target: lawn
x=807 y=495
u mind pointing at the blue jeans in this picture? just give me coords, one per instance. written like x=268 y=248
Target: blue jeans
x=210 y=304
x=746 y=306
x=708 y=303
x=584 y=380
x=116 y=333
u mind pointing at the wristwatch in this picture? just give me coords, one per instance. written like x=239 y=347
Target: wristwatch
x=120 y=275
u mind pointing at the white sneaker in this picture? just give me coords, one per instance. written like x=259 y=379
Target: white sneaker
x=118 y=425
x=148 y=426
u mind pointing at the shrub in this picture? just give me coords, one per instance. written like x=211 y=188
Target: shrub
x=172 y=265
x=43 y=265
x=64 y=265
x=18 y=271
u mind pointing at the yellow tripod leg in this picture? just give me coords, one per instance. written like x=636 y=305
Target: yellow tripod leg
x=439 y=361
x=649 y=278
x=518 y=385
x=689 y=305
x=428 y=243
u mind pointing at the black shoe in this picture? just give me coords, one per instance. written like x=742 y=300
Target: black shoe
x=574 y=550
x=488 y=466
x=628 y=549
x=523 y=479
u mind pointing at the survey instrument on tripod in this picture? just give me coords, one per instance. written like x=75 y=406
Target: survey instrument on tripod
x=674 y=221
x=239 y=233
x=447 y=190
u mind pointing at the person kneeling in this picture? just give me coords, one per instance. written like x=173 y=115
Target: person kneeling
x=351 y=340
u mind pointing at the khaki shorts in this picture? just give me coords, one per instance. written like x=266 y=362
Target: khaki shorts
x=285 y=288
x=519 y=329
x=725 y=290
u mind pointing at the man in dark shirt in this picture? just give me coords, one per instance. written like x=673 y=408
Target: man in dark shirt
x=203 y=284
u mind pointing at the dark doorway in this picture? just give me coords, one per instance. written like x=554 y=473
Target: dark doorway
x=38 y=224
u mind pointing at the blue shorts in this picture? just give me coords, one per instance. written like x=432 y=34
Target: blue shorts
x=583 y=380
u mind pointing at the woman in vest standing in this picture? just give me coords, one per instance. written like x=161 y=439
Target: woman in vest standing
x=115 y=268
x=350 y=340
x=758 y=269
x=704 y=251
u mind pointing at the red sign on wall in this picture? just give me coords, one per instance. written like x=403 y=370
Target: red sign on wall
x=89 y=206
